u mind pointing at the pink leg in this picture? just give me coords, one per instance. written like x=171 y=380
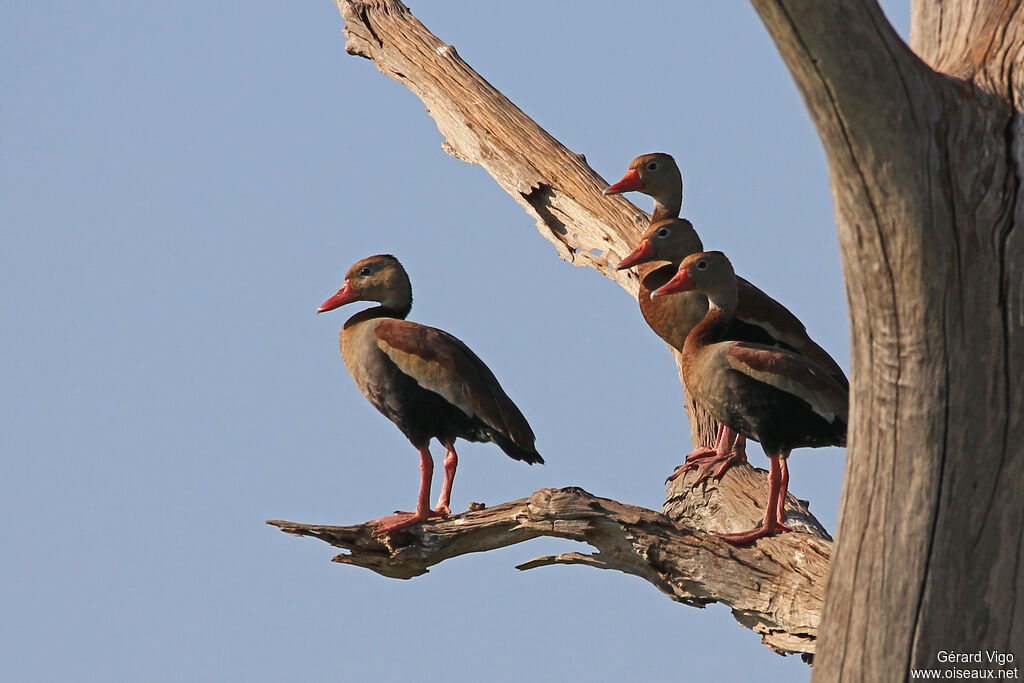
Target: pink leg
x=784 y=488
x=401 y=520
x=740 y=448
x=699 y=454
x=729 y=449
x=776 y=490
x=451 y=462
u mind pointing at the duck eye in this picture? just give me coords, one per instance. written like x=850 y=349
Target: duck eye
x=663 y=232
x=702 y=265
x=364 y=271
x=652 y=166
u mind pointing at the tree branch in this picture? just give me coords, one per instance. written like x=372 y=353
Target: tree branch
x=776 y=588
x=482 y=126
x=925 y=170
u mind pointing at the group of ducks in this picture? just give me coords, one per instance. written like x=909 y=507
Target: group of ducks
x=747 y=360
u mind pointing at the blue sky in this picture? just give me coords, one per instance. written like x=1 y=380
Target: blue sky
x=181 y=185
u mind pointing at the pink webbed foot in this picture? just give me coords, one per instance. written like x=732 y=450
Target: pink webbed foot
x=761 y=531
x=401 y=520
x=711 y=465
x=714 y=462
x=690 y=461
x=775 y=511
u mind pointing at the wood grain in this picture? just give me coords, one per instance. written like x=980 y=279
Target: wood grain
x=924 y=149
x=775 y=588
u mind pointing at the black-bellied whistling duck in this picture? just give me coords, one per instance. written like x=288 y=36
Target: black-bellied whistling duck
x=759 y=318
x=424 y=380
x=774 y=396
x=656 y=175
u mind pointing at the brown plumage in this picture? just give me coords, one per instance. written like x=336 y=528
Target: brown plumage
x=774 y=396
x=759 y=318
x=423 y=379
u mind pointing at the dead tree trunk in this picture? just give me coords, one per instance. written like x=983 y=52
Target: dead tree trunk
x=925 y=152
x=925 y=148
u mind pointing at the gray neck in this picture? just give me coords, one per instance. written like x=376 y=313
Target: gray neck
x=667 y=207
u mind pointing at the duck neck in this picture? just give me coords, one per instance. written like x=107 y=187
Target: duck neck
x=396 y=309
x=667 y=206
x=381 y=311
x=710 y=330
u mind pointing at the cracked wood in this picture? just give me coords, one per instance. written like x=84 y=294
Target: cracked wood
x=775 y=589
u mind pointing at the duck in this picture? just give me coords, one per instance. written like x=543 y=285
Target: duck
x=423 y=379
x=657 y=175
x=771 y=395
x=759 y=318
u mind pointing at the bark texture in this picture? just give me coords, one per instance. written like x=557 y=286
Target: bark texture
x=776 y=588
x=924 y=148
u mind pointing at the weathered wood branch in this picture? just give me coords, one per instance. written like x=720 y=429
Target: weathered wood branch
x=563 y=194
x=482 y=126
x=926 y=152
x=776 y=588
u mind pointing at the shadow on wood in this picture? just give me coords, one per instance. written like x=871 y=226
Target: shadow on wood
x=775 y=587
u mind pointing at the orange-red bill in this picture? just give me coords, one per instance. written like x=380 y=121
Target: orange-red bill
x=346 y=294
x=680 y=282
x=631 y=181
x=642 y=254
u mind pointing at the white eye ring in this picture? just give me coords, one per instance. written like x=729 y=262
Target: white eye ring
x=663 y=232
x=702 y=265
x=652 y=166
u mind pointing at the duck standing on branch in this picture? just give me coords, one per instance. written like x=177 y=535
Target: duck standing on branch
x=672 y=240
x=759 y=318
x=424 y=380
x=774 y=396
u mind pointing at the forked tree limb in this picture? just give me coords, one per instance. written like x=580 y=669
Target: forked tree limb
x=775 y=588
x=926 y=156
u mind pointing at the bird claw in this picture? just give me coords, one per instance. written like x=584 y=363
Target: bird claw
x=708 y=463
x=689 y=463
x=761 y=531
x=402 y=520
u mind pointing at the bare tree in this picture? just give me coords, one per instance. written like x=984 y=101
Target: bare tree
x=925 y=145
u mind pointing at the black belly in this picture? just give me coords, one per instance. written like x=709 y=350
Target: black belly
x=419 y=413
x=422 y=414
x=777 y=419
